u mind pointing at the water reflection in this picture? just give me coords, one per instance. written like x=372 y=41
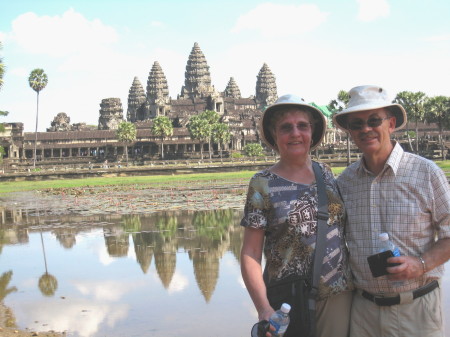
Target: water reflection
x=187 y=272
x=163 y=274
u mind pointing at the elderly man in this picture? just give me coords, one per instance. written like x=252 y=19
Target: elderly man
x=408 y=197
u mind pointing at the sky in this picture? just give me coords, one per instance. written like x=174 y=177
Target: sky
x=93 y=49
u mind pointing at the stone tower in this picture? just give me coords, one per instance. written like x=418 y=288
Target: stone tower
x=61 y=122
x=158 y=99
x=136 y=102
x=111 y=114
x=232 y=89
x=197 y=82
x=266 y=87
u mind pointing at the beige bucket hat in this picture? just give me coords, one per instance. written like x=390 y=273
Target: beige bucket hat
x=295 y=101
x=369 y=97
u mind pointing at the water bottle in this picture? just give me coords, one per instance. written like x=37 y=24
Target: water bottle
x=386 y=244
x=280 y=320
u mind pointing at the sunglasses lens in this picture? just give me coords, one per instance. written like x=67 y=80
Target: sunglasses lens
x=359 y=124
x=374 y=122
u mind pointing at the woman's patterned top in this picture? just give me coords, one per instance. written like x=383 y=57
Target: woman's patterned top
x=287 y=211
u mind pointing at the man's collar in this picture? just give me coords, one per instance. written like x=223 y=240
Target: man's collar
x=393 y=161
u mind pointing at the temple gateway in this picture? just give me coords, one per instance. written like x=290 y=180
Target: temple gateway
x=81 y=143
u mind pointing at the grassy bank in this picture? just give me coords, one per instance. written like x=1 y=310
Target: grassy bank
x=146 y=180
x=109 y=181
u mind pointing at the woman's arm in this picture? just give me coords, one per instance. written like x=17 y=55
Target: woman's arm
x=251 y=256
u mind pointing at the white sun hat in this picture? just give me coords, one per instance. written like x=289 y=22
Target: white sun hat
x=320 y=125
x=369 y=97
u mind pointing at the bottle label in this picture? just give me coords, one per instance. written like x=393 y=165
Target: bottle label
x=276 y=326
x=396 y=251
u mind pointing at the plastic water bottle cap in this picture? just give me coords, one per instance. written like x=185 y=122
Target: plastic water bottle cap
x=383 y=236
x=285 y=308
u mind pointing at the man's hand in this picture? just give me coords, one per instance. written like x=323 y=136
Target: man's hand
x=410 y=267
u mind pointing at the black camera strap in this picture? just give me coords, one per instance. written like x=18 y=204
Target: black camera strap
x=319 y=252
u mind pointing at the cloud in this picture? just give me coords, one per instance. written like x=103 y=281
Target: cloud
x=178 y=283
x=157 y=24
x=58 y=36
x=370 y=10
x=275 y=20
x=438 y=38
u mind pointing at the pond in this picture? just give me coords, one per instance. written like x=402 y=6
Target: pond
x=66 y=266
x=166 y=274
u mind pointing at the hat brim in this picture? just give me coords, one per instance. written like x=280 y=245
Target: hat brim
x=340 y=119
x=319 y=127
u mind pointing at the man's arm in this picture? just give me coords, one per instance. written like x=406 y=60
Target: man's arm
x=412 y=267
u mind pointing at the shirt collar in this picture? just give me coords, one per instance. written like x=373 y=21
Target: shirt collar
x=393 y=161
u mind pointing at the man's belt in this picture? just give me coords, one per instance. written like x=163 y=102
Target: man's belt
x=388 y=301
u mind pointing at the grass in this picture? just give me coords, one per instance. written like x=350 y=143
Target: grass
x=16 y=186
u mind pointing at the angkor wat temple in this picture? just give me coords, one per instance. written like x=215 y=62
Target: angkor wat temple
x=80 y=142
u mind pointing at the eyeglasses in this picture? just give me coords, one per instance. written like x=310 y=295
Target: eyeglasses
x=373 y=122
x=288 y=128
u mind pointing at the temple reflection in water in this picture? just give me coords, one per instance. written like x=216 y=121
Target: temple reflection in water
x=156 y=238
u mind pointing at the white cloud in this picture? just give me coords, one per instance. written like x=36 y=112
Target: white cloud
x=275 y=20
x=58 y=36
x=370 y=10
x=178 y=283
x=65 y=315
x=157 y=24
x=438 y=38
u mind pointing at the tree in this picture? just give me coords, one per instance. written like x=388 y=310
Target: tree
x=413 y=102
x=340 y=103
x=162 y=127
x=254 y=150
x=38 y=80
x=337 y=105
x=126 y=132
x=2 y=113
x=212 y=117
x=438 y=111
x=199 y=129
x=221 y=135
x=2 y=68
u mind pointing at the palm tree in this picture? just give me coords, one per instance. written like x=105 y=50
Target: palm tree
x=221 y=135
x=162 y=126
x=337 y=105
x=5 y=290
x=37 y=81
x=126 y=132
x=199 y=129
x=2 y=68
x=47 y=282
x=438 y=111
x=212 y=117
x=413 y=102
x=2 y=113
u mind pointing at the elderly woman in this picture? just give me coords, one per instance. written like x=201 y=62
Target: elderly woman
x=280 y=218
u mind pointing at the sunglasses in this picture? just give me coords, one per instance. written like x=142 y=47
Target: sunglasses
x=373 y=122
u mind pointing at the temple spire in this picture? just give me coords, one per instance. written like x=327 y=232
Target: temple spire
x=232 y=89
x=197 y=82
x=158 y=99
x=157 y=87
x=136 y=102
x=266 y=87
